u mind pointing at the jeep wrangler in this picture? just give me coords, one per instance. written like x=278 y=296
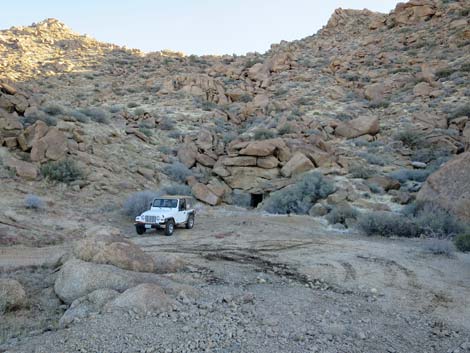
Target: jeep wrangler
x=167 y=212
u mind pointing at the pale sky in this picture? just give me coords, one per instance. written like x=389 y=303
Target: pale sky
x=191 y=26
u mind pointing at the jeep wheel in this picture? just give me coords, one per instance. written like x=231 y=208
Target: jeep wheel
x=190 y=221
x=140 y=229
x=169 y=227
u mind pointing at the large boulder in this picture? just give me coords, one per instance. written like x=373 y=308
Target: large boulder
x=112 y=249
x=12 y=295
x=258 y=149
x=187 y=154
x=449 y=187
x=358 y=127
x=299 y=163
x=241 y=161
x=144 y=298
x=23 y=169
x=204 y=194
x=85 y=306
x=78 y=278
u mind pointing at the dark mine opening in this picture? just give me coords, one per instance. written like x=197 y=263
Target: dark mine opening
x=256 y=199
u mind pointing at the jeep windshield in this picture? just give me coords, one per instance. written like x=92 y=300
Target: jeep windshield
x=165 y=203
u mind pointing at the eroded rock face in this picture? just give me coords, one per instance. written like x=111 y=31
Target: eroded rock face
x=23 y=169
x=449 y=187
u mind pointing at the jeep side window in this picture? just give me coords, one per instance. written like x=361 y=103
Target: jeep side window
x=182 y=205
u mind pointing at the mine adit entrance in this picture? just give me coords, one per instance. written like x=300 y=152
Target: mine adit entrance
x=255 y=200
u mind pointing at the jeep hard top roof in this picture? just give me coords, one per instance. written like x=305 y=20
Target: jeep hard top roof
x=174 y=197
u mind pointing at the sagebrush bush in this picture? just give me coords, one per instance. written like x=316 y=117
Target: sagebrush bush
x=53 y=109
x=301 y=196
x=33 y=115
x=139 y=202
x=340 y=213
x=286 y=129
x=263 y=134
x=97 y=114
x=177 y=189
x=403 y=175
x=33 y=202
x=178 y=172
x=410 y=138
x=241 y=198
x=79 y=116
x=360 y=171
x=462 y=242
x=64 y=171
x=386 y=224
x=374 y=158
x=418 y=219
x=166 y=124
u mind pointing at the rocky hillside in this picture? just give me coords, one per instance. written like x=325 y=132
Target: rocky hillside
x=375 y=102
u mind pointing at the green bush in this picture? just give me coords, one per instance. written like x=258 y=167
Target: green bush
x=178 y=171
x=286 y=129
x=64 y=171
x=415 y=220
x=462 y=242
x=341 y=213
x=263 y=134
x=138 y=202
x=300 y=197
x=360 y=171
x=53 y=109
x=410 y=138
x=96 y=114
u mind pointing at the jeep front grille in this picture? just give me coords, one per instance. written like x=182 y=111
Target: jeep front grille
x=150 y=219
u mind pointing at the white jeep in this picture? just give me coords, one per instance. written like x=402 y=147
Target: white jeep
x=167 y=212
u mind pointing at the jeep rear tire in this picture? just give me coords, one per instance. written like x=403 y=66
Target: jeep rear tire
x=169 y=227
x=190 y=221
x=140 y=229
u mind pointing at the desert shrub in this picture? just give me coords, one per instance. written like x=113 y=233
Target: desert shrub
x=175 y=134
x=53 y=109
x=245 y=98
x=410 y=138
x=165 y=150
x=444 y=73
x=286 y=129
x=33 y=115
x=461 y=110
x=340 y=213
x=241 y=198
x=33 y=202
x=96 y=114
x=263 y=134
x=167 y=124
x=177 y=189
x=375 y=189
x=403 y=175
x=462 y=242
x=415 y=220
x=438 y=246
x=132 y=105
x=229 y=137
x=379 y=104
x=360 y=171
x=301 y=196
x=78 y=115
x=374 y=158
x=177 y=171
x=115 y=108
x=138 y=202
x=387 y=224
x=64 y=171
x=146 y=131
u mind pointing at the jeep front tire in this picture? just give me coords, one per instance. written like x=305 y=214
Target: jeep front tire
x=140 y=229
x=169 y=227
